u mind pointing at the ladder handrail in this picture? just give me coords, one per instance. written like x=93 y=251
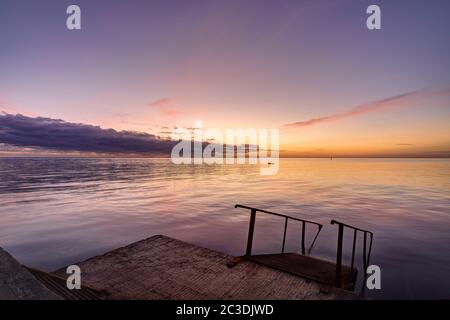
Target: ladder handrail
x=349 y=226
x=286 y=217
x=276 y=214
x=366 y=255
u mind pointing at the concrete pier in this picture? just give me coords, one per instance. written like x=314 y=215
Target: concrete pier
x=165 y=268
x=17 y=283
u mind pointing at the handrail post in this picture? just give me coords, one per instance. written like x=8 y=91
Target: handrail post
x=251 y=228
x=353 y=249
x=365 y=252
x=339 y=257
x=284 y=234
x=303 y=238
x=370 y=248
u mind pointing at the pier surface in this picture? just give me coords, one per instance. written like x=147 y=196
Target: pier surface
x=17 y=283
x=165 y=268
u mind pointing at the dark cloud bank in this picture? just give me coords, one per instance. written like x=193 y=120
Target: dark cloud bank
x=23 y=131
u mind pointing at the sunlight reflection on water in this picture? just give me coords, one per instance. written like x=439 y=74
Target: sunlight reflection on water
x=58 y=211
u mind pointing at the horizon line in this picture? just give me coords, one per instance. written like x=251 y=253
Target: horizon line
x=168 y=157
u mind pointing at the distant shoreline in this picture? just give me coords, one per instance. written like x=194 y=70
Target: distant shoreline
x=149 y=157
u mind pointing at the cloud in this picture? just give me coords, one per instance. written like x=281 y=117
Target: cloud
x=160 y=102
x=55 y=134
x=380 y=105
x=165 y=107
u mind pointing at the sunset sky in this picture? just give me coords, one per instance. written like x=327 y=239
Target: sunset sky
x=310 y=68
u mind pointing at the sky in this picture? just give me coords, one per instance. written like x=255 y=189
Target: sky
x=311 y=69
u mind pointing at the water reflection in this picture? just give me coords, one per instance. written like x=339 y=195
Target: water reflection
x=59 y=211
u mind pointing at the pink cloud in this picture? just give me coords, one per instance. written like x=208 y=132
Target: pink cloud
x=380 y=105
x=161 y=103
x=165 y=107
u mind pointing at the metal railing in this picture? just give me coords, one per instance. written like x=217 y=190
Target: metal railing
x=251 y=228
x=366 y=253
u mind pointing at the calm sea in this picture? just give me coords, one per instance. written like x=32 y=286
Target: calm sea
x=55 y=212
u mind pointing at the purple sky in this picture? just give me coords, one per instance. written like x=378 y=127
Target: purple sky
x=144 y=65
